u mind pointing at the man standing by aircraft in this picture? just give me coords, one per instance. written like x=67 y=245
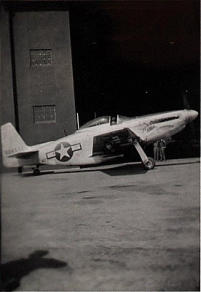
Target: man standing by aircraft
x=162 y=147
x=156 y=150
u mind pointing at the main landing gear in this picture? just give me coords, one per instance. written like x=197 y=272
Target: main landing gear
x=147 y=162
x=36 y=170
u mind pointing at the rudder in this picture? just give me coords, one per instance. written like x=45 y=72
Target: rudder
x=11 y=143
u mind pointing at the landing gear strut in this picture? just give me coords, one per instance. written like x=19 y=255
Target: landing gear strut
x=147 y=162
x=36 y=170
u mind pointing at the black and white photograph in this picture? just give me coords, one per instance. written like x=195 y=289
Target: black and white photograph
x=100 y=145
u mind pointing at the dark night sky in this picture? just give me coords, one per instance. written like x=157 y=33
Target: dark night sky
x=132 y=57
x=135 y=57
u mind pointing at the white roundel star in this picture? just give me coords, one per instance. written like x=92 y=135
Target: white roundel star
x=63 y=152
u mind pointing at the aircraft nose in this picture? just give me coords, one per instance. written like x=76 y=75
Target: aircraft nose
x=191 y=115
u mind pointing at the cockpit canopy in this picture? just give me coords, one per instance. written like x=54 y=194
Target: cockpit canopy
x=97 y=121
x=104 y=120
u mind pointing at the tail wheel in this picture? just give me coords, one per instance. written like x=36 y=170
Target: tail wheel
x=20 y=169
x=149 y=164
x=36 y=171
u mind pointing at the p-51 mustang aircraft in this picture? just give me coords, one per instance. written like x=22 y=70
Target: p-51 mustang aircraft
x=99 y=140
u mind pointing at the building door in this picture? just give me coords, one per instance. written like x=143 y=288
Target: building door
x=44 y=79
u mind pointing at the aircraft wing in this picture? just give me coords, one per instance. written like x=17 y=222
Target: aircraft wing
x=113 y=143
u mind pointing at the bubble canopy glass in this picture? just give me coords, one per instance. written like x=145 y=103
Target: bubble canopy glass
x=97 y=121
x=104 y=120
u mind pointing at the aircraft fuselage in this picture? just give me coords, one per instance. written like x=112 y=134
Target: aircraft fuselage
x=100 y=140
x=76 y=149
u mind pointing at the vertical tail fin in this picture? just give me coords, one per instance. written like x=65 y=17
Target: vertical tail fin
x=11 y=144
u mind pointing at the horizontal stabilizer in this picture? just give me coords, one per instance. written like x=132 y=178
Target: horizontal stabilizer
x=24 y=155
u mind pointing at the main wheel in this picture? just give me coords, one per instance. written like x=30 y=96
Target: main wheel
x=149 y=164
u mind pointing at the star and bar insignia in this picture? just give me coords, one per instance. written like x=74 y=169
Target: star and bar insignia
x=63 y=151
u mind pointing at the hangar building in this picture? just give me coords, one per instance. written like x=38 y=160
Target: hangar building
x=60 y=58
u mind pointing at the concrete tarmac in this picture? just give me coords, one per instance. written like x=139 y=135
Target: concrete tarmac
x=113 y=228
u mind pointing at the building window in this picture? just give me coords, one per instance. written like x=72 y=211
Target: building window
x=40 y=58
x=44 y=114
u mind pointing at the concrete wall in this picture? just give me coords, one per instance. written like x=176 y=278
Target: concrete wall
x=24 y=86
x=7 y=101
x=40 y=83
x=7 y=113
